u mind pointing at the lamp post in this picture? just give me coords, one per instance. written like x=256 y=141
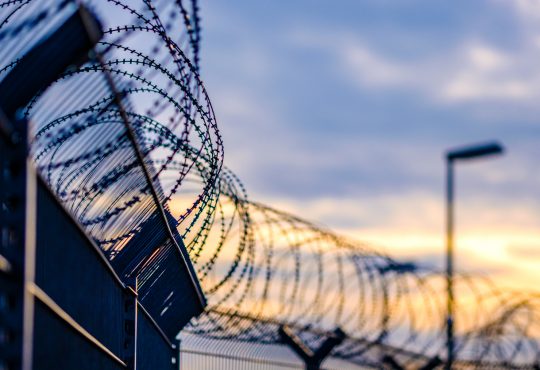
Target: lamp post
x=465 y=153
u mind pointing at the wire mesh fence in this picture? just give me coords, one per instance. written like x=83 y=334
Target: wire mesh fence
x=203 y=353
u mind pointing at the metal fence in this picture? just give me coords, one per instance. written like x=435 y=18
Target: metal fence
x=63 y=306
x=84 y=317
x=203 y=353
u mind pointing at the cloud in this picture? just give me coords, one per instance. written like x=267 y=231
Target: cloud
x=470 y=71
x=299 y=113
x=529 y=251
x=370 y=69
x=342 y=116
x=528 y=9
x=486 y=73
x=470 y=87
x=499 y=240
x=486 y=58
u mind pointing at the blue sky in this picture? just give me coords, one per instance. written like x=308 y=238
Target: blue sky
x=341 y=112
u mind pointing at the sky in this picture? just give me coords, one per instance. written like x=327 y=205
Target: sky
x=341 y=112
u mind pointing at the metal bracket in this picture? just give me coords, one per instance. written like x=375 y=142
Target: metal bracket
x=390 y=363
x=312 y=358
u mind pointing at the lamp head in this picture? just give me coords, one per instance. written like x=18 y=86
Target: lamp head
x=475 y=151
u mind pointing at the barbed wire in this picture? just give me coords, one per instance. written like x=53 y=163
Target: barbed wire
x=314 y=280
x=106 y=132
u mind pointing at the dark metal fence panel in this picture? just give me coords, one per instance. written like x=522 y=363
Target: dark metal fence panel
x=153 y=349
x=58 y=346
x=166 y=289
x=74 y=274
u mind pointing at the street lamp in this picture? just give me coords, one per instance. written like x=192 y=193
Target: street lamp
x=464 y=153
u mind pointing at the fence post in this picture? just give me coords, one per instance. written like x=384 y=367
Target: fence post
x=17 y=241
x=130 y=324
